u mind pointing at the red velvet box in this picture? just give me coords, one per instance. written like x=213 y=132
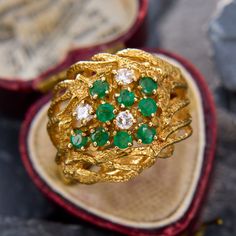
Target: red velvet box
x=164 y=200
x=33 y=52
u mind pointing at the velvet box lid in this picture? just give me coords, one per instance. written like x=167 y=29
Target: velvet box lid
x=164 y=200
x=39 y=39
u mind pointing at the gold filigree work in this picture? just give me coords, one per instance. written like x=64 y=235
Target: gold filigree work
x=109 y=164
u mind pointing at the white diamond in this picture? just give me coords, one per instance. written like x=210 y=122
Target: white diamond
x=124 y=120
x=83 y=112
x=124 y=76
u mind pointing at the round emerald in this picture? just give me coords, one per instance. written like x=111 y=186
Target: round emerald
x=147 y=106
x=126 y=98
x=99 y=88
x=100 y=136
x=105 y=112
x=146 y=133
x=78 y=140
x=122 y=139
x=148 y=85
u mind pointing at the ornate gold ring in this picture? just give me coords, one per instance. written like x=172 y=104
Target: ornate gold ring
x=115 y=115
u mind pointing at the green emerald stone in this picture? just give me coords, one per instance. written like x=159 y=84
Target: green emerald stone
x=148 y=85
x=100 y=136
x=99 y=88
x=78 y=140
x=147 y=106
x=105 y=112
x=126 y=98
x=146 y=133
x=122 y=139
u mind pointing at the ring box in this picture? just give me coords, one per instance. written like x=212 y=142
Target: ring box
x=165 y=199
x=37 y=43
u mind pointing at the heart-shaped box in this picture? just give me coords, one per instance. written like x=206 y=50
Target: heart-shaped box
x=39 y=39
x=164 y=200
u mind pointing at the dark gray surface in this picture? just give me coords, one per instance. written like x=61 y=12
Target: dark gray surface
x=223 y=35
x=179 y=26
x=43 y=228
x=18 y=195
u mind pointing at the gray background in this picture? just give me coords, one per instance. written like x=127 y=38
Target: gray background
x=181 y=26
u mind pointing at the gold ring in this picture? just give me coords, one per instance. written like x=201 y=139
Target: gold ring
x=115 y=115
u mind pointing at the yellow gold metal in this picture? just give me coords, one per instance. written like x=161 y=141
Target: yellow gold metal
x=172 y=119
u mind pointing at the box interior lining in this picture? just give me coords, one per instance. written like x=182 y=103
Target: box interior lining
x=29 y=30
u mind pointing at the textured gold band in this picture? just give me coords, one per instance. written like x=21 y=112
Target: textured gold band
x=115 y=114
